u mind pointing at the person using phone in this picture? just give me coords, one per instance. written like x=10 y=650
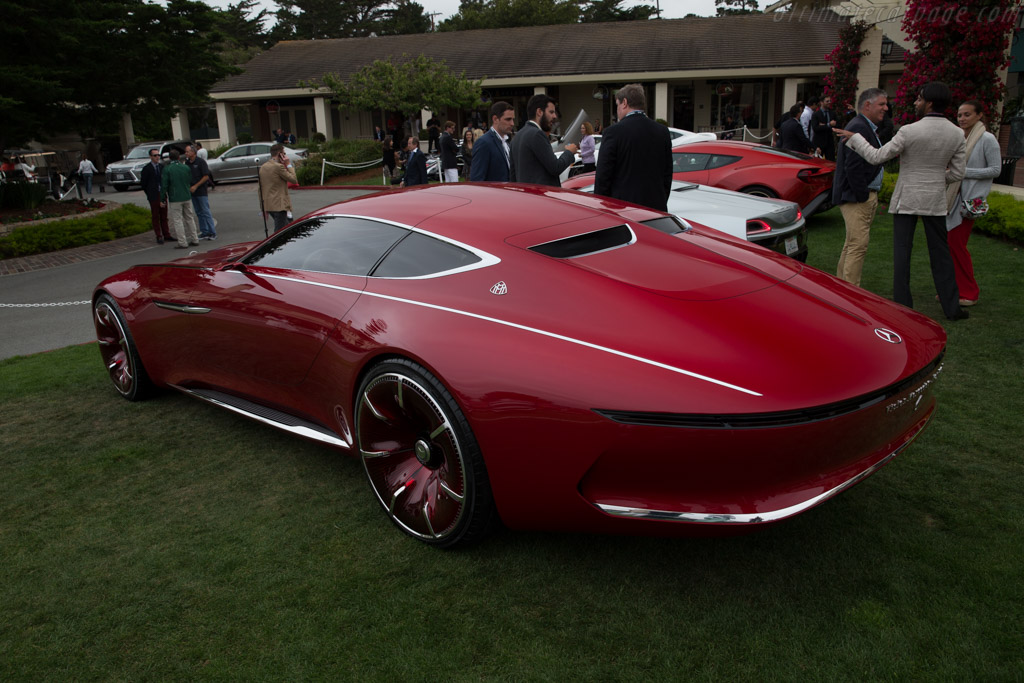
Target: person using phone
x=275 y=175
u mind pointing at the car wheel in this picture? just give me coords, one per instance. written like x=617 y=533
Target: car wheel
x=118 y=350
x=760 y=191
x=421 y=457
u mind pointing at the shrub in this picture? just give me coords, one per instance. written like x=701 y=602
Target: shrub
x=888 y=184
x=338 y=152
x=20 y=194
x=77 y=232
x=1005 y=217
x=244 y=138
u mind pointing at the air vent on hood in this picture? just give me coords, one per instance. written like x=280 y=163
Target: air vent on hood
x=587 y=243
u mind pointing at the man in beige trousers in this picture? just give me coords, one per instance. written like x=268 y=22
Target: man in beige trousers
x=932 y=154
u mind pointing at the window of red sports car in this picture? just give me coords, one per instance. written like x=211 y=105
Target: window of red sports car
x=688 y=161
x=347 y=245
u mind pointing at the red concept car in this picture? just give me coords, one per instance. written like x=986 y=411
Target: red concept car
x=757 y=169
x=539 y=357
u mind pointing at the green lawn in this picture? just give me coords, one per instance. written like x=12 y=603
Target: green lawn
x=167 y=540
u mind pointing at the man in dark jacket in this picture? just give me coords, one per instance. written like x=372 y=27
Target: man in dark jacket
x=151 y=175
x=449 y=154
x=791 y=134
x=416 y=164
x=822 y=123
x=857 y=183
x=490 y=151
x=635 y=163
x=533 y=160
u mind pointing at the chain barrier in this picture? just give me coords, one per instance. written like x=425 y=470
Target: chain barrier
x=354 y=167
x=62 y=303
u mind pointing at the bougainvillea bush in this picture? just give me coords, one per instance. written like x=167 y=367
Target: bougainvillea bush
x=962 y=44
x=841 y=80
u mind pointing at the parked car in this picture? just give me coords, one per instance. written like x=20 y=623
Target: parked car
x=758 y=170
x=678 y=136
x=543 y=357
x=772 y=223
x=242 y=162
x=122 y=175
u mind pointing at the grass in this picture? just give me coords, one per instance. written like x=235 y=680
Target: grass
x=168 y=540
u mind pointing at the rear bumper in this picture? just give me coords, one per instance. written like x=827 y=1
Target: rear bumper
x=823 y=202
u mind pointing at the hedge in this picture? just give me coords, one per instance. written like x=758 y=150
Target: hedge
x=75 y=232
x=20 y=194
x=338 y=152
x=1005 y=217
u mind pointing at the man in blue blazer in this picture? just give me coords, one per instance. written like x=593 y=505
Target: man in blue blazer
x=635 y=163
x=416 y=164
x=856 y=185
x=490 y=151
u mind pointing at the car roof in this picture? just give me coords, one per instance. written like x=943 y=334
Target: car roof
x=467 y=212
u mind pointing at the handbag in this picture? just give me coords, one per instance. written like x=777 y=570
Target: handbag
x=973 y=208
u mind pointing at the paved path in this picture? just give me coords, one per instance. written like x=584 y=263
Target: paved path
x=44 y=300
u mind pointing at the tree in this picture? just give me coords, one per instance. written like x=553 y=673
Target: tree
x=315 y=19
x=593 y=11
x=407 y=86
x=964 y=46
x=243 y=31
x=730 y=7
x=476 y=14
x=404 y=18
x=841 y=81
x=80 y=66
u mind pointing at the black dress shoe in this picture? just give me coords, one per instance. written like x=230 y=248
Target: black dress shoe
x=159 y=240
x=960 y=315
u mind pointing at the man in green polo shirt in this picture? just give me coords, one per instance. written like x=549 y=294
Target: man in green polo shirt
x=177 y=192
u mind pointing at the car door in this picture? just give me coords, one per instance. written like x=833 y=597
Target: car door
x=231 y=165
x=258 y=154
x=267 y=316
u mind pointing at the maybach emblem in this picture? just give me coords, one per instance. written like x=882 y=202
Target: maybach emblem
x=888 y=335
x=499 y=288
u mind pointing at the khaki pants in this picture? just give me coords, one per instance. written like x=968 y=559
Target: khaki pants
x=858 y=219
x=183 y=222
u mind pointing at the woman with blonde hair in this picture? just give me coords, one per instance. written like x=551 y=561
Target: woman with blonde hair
x=983 y=165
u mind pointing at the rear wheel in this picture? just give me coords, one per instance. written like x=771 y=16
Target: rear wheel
x=118 y=350
x=760 y=191
x=421 y=457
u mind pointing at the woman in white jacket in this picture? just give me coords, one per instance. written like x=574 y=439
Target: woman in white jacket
x=983 y=165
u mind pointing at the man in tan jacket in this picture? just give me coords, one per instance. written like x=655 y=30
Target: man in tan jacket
x=932 y=154
x=275 y=174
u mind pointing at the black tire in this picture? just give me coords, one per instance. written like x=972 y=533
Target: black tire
x=760 y=191
x=421 y=458
x=117 y=347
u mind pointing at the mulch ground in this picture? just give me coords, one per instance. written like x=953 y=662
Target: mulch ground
x=49 y=209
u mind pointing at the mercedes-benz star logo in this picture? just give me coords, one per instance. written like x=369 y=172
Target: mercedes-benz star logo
x=499 y=288
x=888 y=335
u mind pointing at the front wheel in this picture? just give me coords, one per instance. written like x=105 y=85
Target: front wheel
x=421 y=457
x=117 y=347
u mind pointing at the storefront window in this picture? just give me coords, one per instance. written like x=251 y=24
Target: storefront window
x=735 y=104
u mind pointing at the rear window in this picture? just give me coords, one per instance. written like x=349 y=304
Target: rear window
x=418 y=255
x=787 y=153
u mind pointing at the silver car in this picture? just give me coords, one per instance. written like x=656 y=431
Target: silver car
x=773 y=223
x=242 y=162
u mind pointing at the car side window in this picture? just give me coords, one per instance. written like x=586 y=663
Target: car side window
x=236 y=152
x=259 y=149
x=688 y=161
x=418 y=255
x=343 y=245
x=719 y=160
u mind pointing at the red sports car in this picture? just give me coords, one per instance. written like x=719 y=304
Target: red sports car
x=545 y=358
x=757 y=169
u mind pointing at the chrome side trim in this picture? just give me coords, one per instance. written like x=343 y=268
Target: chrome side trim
x=534 y=330
x=752 y=518
x=182 y=308
x=298 y=430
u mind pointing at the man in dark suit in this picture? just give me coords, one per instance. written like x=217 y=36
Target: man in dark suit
x=416 y=164
x=449 y=154
x=856 y=185
x=791 y=134
x=151 y=177
x=533 y=160
x=490 y=151
x=822 y=123
x=635 y=163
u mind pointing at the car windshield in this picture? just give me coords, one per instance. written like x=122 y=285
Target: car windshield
x=140 y=152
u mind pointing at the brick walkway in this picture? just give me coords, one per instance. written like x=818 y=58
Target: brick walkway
x=24 y=264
